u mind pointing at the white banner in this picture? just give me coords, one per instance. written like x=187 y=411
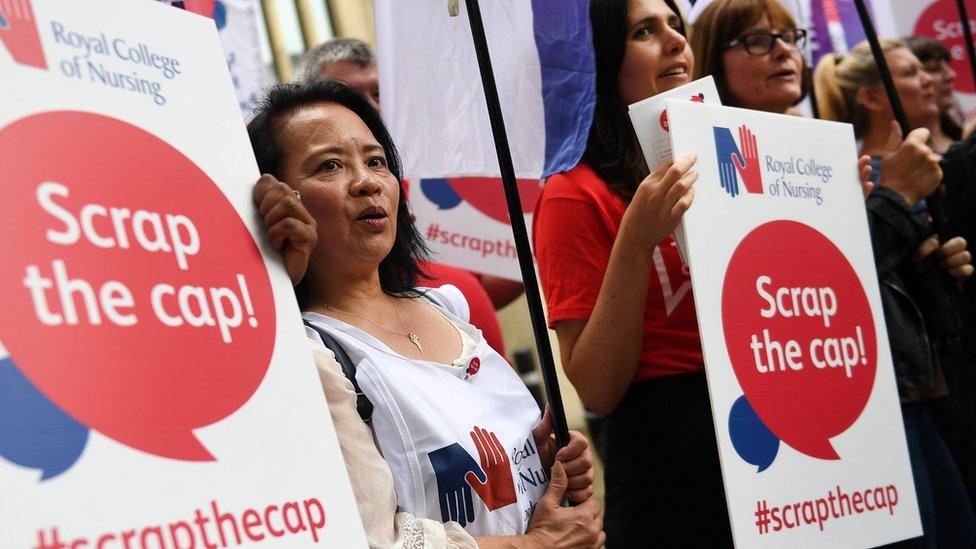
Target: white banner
x=237 y=24
x=156 y=385
x=434 y=102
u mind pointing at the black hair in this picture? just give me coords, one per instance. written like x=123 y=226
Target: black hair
x=612 y=149
x=927 y=49
x=400 y=269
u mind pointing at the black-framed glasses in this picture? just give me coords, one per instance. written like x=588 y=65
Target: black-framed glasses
x=761 y=42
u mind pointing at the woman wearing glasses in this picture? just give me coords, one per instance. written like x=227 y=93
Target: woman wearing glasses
x=619 y=296
x=757 y=42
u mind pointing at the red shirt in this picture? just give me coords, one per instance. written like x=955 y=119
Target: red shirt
x=482 y=311
x=576 y=221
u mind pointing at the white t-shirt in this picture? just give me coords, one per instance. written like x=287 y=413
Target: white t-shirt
x=457 y=437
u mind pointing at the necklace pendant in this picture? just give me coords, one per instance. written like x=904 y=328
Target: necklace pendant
x=416 y=341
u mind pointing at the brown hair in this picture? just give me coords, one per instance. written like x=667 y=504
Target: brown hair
x=838 y=77
x=928 y=49
x=725 y=20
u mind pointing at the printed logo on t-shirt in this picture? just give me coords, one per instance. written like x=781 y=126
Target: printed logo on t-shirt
x=674 y=284
x=457 y=473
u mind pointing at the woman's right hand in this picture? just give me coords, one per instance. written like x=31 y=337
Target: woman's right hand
x=291 y=229
x=910 y=168
x=662 y=198
x=554 y=526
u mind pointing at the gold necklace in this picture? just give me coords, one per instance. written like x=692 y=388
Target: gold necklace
x=414 y=338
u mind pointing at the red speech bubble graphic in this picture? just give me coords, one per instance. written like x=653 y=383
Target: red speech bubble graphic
x=940 y=21
x=134 y=296
x=799 y=333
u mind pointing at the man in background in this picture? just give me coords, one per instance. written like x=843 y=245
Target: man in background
x=347 y=60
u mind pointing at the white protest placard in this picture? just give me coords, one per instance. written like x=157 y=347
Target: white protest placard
x=156 y=386
x=799 y=369
x=650 y=120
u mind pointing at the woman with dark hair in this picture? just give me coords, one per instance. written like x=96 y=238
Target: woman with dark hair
x=935 y=61
x=460 y=436
x=619 y=295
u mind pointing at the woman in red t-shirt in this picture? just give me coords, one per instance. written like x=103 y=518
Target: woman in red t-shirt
x=620 y=298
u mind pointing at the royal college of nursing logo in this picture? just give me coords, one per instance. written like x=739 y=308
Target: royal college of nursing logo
x=18 y=33
x=737 y=162
x=459 y=476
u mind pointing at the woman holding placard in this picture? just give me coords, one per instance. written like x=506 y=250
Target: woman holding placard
x=619 y=296
x=758 y=41
x=848 y=88
x=461 y=439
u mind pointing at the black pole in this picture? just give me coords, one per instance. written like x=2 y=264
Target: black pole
x=814 y=108
x=807 y=54
x=968 y=34
x=879 y=60
x=934 y=200
x=555 y=401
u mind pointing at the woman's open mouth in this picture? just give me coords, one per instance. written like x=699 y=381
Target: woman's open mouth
x=785 y=74
x=374 y=218
x=675 y=71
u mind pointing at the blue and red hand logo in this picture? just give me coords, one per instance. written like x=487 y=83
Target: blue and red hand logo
x=484 y=194
x=457 y=473
x=18 y=33
x=732 y=160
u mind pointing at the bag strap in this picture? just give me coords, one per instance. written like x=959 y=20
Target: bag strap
x=363 y=405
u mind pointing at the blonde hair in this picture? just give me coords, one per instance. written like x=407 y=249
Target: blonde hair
x=839 y=77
